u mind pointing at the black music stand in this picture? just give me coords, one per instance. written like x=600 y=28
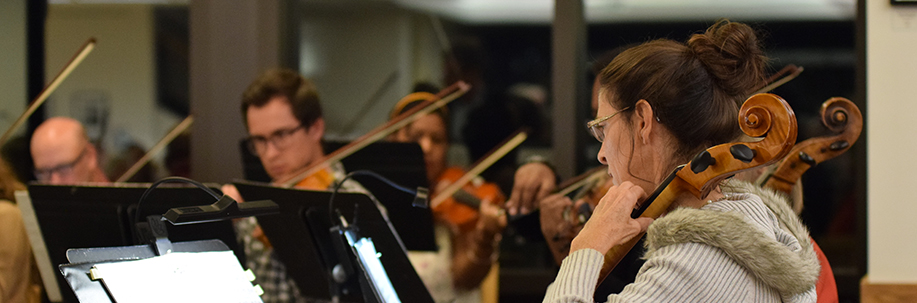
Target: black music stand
x=102 y=216
x=302 y=238
x=401 y=163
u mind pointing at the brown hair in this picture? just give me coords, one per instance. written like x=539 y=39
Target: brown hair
x=695 y=88
x=8 y=182
x=298 y=90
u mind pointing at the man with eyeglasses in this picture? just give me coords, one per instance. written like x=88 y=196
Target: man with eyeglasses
x=283 y=116
x=63 y=154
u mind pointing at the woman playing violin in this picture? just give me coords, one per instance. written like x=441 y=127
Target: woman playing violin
x=661 y=103
x=467 y=237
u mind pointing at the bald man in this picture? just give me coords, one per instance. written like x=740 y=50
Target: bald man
x=63 y=154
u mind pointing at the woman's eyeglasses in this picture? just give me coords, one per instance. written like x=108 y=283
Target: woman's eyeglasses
x=598 y=129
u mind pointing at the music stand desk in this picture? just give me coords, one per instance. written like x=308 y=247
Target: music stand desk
x=301 y=238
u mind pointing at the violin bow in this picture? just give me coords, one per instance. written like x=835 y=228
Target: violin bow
x=171 y=135
x=788 y=72
x=43 y=96
x=501 y=150
x=442 y=98
x=582 y=180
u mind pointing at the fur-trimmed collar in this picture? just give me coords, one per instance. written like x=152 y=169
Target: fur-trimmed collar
x=788 y=264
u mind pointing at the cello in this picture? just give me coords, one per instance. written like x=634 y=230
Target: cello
x=592 y=184
x=845 y=121
x=764 y=116
x=842 y=118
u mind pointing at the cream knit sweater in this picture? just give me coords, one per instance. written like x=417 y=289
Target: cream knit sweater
x=749 y=247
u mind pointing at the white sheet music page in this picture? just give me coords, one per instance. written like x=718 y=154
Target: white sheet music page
x=178 y=277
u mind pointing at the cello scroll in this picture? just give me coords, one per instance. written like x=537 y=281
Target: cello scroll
x=762 y=115
x=840 y=116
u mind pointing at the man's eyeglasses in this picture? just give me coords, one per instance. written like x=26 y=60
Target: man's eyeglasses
x=598 y=129
x=280 y=139
x=44 y=174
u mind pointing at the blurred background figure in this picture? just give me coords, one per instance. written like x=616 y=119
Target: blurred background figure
x=19 y=279
x=125 y=159
x=467 y=237
x=63 y=153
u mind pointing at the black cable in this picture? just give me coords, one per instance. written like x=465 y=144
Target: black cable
x=337 y=187
x=167 y=180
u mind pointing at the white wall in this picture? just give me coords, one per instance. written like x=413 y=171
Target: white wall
x=891 y=39
x=120 y=71
x=350 y=51
x=13 y=89
x=427 y=57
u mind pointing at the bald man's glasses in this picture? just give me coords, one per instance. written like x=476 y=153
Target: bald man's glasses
x=281 y=139
x=597 y=128
x=44 y=174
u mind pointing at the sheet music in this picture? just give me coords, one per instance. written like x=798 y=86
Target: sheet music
x=178 y=277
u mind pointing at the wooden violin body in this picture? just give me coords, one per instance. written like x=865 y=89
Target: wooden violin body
x=764 y=116
x=320 y=180
x=461 y=208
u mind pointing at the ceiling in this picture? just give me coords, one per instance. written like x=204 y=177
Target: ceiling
x=598 y=11
x=611 y=11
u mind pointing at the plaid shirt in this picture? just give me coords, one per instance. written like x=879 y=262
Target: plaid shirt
x=269 y=272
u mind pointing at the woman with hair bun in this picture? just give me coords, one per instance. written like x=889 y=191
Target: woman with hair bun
x=660 y=103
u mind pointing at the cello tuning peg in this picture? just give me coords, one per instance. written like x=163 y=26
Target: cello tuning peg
x=702 y=161
x=839 y=145
x=805 y=158
x=742 y=152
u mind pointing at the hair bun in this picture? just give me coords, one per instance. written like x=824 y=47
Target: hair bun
x=730 y=52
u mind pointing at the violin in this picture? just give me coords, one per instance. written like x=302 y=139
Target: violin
x=461 y=208
x=591 y=193
x=458 y=194
x=320 y=180
x=441 y=99
x=764 y=116
x=842 y=118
